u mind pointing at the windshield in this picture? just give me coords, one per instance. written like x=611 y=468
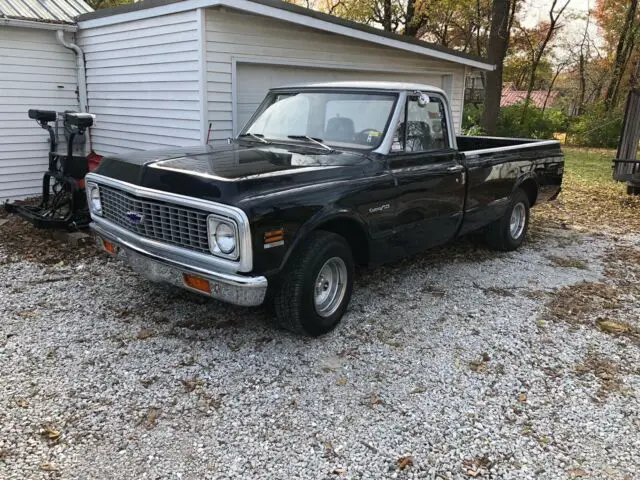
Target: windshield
x=337 y=119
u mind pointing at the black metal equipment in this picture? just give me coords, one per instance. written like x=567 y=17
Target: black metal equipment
x=626 y=166
x=63 y=204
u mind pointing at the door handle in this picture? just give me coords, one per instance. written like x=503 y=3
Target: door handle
x=455 y=168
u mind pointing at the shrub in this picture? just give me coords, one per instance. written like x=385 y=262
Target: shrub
x=534 y=123
x=597 y=128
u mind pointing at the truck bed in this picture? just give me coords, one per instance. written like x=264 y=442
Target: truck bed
x=468 y=144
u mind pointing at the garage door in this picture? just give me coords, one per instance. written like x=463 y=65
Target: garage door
x=254 y=80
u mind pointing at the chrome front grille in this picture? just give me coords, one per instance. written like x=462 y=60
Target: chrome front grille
x=157 y=220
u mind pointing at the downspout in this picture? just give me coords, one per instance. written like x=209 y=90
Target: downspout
x=82 y=82
x=80 y=67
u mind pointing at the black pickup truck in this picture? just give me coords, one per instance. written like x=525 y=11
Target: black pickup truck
x=322 y=178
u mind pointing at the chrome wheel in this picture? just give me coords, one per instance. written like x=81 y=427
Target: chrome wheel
x=330 y=287
x=518 y=220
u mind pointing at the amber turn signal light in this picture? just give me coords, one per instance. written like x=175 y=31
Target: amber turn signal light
x=274 y=237
x=197 y=283
x=109 y=247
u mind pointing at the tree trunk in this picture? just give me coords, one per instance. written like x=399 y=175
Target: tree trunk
x=537 y=57
x=625 y=45
x=386 y=15
x=410 y=24
x=583 y=85
x=497 y=50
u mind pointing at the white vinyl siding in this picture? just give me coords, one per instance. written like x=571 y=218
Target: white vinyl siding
x=35 y=72
x=237 y=40
x=143 y=83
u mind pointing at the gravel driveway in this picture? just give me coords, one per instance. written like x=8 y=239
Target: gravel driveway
x=448 y=365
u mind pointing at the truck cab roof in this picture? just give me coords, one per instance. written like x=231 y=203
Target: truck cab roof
x=366 y=85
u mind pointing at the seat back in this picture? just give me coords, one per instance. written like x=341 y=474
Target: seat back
x=340 y=129
x=42 y=115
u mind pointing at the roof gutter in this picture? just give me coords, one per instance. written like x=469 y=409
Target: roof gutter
x=15 y=22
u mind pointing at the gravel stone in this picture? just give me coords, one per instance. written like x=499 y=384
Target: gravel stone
x=444 y=357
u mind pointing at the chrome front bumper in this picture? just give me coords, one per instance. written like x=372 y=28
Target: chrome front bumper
x=158 y=266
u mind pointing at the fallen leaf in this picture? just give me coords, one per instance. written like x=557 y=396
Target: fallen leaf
x=26 y=314
x=577 y=473
x=152 y=417
x=191 y=384
x=51 y=432
x=611 y=326
x=342 y=381
x=522 y=397
x=48 y=467
x=404 y=462
x=22 y=402
x=144 y=333
x=477 y=366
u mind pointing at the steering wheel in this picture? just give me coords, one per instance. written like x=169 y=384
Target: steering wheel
x=367 y=135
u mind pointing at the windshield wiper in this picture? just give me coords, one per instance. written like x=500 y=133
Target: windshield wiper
x=255 y=136
x=317 y=141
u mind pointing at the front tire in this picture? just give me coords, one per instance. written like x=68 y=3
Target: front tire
x=316 y=285
x=508 y=232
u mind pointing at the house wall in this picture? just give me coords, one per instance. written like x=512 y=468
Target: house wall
x=233 y=38
x=143 y=82
x=35 y=72
x=144 y=76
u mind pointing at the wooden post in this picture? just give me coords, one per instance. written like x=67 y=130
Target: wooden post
x=626 y=165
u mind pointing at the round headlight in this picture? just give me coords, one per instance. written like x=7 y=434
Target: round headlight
x=225 y=238
x=94 y=200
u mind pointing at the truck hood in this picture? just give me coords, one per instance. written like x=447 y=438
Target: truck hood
x=230 y=174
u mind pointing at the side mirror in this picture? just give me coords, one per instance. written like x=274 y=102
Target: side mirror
x=423 y=99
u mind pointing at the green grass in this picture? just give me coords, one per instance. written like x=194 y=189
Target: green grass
x=590 y=198
x=593 y=166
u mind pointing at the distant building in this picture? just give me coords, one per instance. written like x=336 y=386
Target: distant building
x=539 y=98
x=474 y=93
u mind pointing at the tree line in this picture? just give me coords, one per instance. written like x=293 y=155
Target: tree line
x=594 y=69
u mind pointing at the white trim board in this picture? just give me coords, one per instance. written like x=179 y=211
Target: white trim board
x=256 y=8
x=204 y=88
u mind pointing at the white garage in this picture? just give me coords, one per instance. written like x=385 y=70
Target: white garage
x=172 y=73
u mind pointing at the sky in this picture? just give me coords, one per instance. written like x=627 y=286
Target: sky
x=537 y=10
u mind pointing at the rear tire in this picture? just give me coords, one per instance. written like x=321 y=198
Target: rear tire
x=508 y=232
x=315 y=286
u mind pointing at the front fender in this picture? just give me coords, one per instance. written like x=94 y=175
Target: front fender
x=323 y=217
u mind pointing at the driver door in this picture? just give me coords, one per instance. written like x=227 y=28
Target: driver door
x=429 y=178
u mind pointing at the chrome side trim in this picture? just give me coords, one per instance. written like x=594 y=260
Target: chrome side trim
x=530 y=144
x=245 y=262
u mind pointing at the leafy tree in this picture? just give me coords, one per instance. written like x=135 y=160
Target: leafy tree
x=620 y=23
x=101 y=4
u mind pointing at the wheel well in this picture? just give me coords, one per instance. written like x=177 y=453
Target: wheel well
x=354 y=234
x=530 y=187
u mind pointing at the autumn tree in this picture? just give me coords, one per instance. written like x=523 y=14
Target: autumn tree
x=545 y=32
x=620 y=23
x=501 y=17
x=100 y=4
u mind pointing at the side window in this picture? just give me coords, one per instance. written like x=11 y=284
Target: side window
x=423 y=128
